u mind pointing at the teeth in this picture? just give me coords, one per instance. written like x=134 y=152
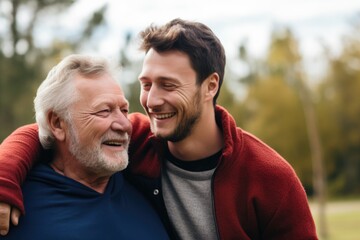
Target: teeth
x=113 y=143
x=164 y=116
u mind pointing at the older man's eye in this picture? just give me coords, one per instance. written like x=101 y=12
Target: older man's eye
x=103 y=113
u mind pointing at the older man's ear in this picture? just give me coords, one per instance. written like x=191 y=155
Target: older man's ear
x=56 y=125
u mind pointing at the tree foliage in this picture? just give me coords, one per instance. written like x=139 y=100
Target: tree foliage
x=273 y=108
x=339 y=97
x=23 y=64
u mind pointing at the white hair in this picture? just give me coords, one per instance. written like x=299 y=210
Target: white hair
x=57 y=92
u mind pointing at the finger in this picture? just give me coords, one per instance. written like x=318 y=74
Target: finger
x=15 y=215
x=4 y=218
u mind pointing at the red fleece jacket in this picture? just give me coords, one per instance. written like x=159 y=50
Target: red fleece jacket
x=257 y=194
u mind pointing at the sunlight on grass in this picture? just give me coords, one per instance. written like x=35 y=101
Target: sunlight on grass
x=342 y=218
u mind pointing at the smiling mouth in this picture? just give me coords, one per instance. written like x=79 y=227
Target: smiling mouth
x=113 y=143
x=164 y=116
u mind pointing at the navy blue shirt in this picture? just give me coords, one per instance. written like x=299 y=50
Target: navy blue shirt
x=58 y=207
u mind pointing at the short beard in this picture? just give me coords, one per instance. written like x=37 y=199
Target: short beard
x=93 y=159
x=186 y=125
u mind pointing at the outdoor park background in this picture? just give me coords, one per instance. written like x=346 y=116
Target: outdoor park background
x=292 y=77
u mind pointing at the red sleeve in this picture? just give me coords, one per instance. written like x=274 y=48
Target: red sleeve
x=17 y=154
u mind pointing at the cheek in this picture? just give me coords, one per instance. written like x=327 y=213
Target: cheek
x=186 y=99
x=85 y=135
x=94 y=130
x=143 y=98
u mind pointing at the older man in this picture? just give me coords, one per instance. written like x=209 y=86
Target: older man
x=79 y=192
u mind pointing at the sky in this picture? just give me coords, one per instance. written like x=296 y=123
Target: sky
x=313 y=22
x=234 y=21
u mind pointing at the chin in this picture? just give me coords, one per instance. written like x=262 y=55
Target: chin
x=160 y=134
x=118 y=166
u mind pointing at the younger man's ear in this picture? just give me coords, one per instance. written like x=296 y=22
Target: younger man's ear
x=212 y=85
x=56 y=125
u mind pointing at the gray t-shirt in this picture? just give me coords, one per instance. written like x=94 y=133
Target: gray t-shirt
x=189 y=202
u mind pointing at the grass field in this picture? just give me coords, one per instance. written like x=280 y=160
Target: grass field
x=342 y=219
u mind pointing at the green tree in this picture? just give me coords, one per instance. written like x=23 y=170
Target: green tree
x=22 y=63
x=274 y=113
x=274 y=110
x=281 y=111
x=340 y=107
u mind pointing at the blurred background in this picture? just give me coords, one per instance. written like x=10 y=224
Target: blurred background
x=292 y=77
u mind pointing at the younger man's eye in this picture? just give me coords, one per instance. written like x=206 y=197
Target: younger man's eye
x=146 y=86
x=168 y=85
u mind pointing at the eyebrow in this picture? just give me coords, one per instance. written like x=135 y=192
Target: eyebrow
x=161 y=78
x=124 y=102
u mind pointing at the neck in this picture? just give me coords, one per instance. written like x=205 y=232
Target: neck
x=205 y=140
x=77 y=173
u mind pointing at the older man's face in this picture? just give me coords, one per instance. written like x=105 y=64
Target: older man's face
x=100 y=129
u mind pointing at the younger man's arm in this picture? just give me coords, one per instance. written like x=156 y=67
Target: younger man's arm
x=18 y=153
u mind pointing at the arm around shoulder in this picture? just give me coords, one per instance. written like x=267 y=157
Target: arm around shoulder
x=18 y=152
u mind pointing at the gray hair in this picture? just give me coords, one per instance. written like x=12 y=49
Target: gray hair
x=57 y=92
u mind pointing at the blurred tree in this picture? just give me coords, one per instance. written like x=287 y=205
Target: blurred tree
x=130 y=71
x=274 y=113
x=22 y=63
x=281 y=111
x=273 y=108
x=229 y=96
x=340 y=106
x=133 y=96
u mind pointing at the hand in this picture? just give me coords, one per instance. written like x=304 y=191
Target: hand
x=7 y=212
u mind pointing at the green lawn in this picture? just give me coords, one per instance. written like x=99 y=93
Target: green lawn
x=342 y=219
